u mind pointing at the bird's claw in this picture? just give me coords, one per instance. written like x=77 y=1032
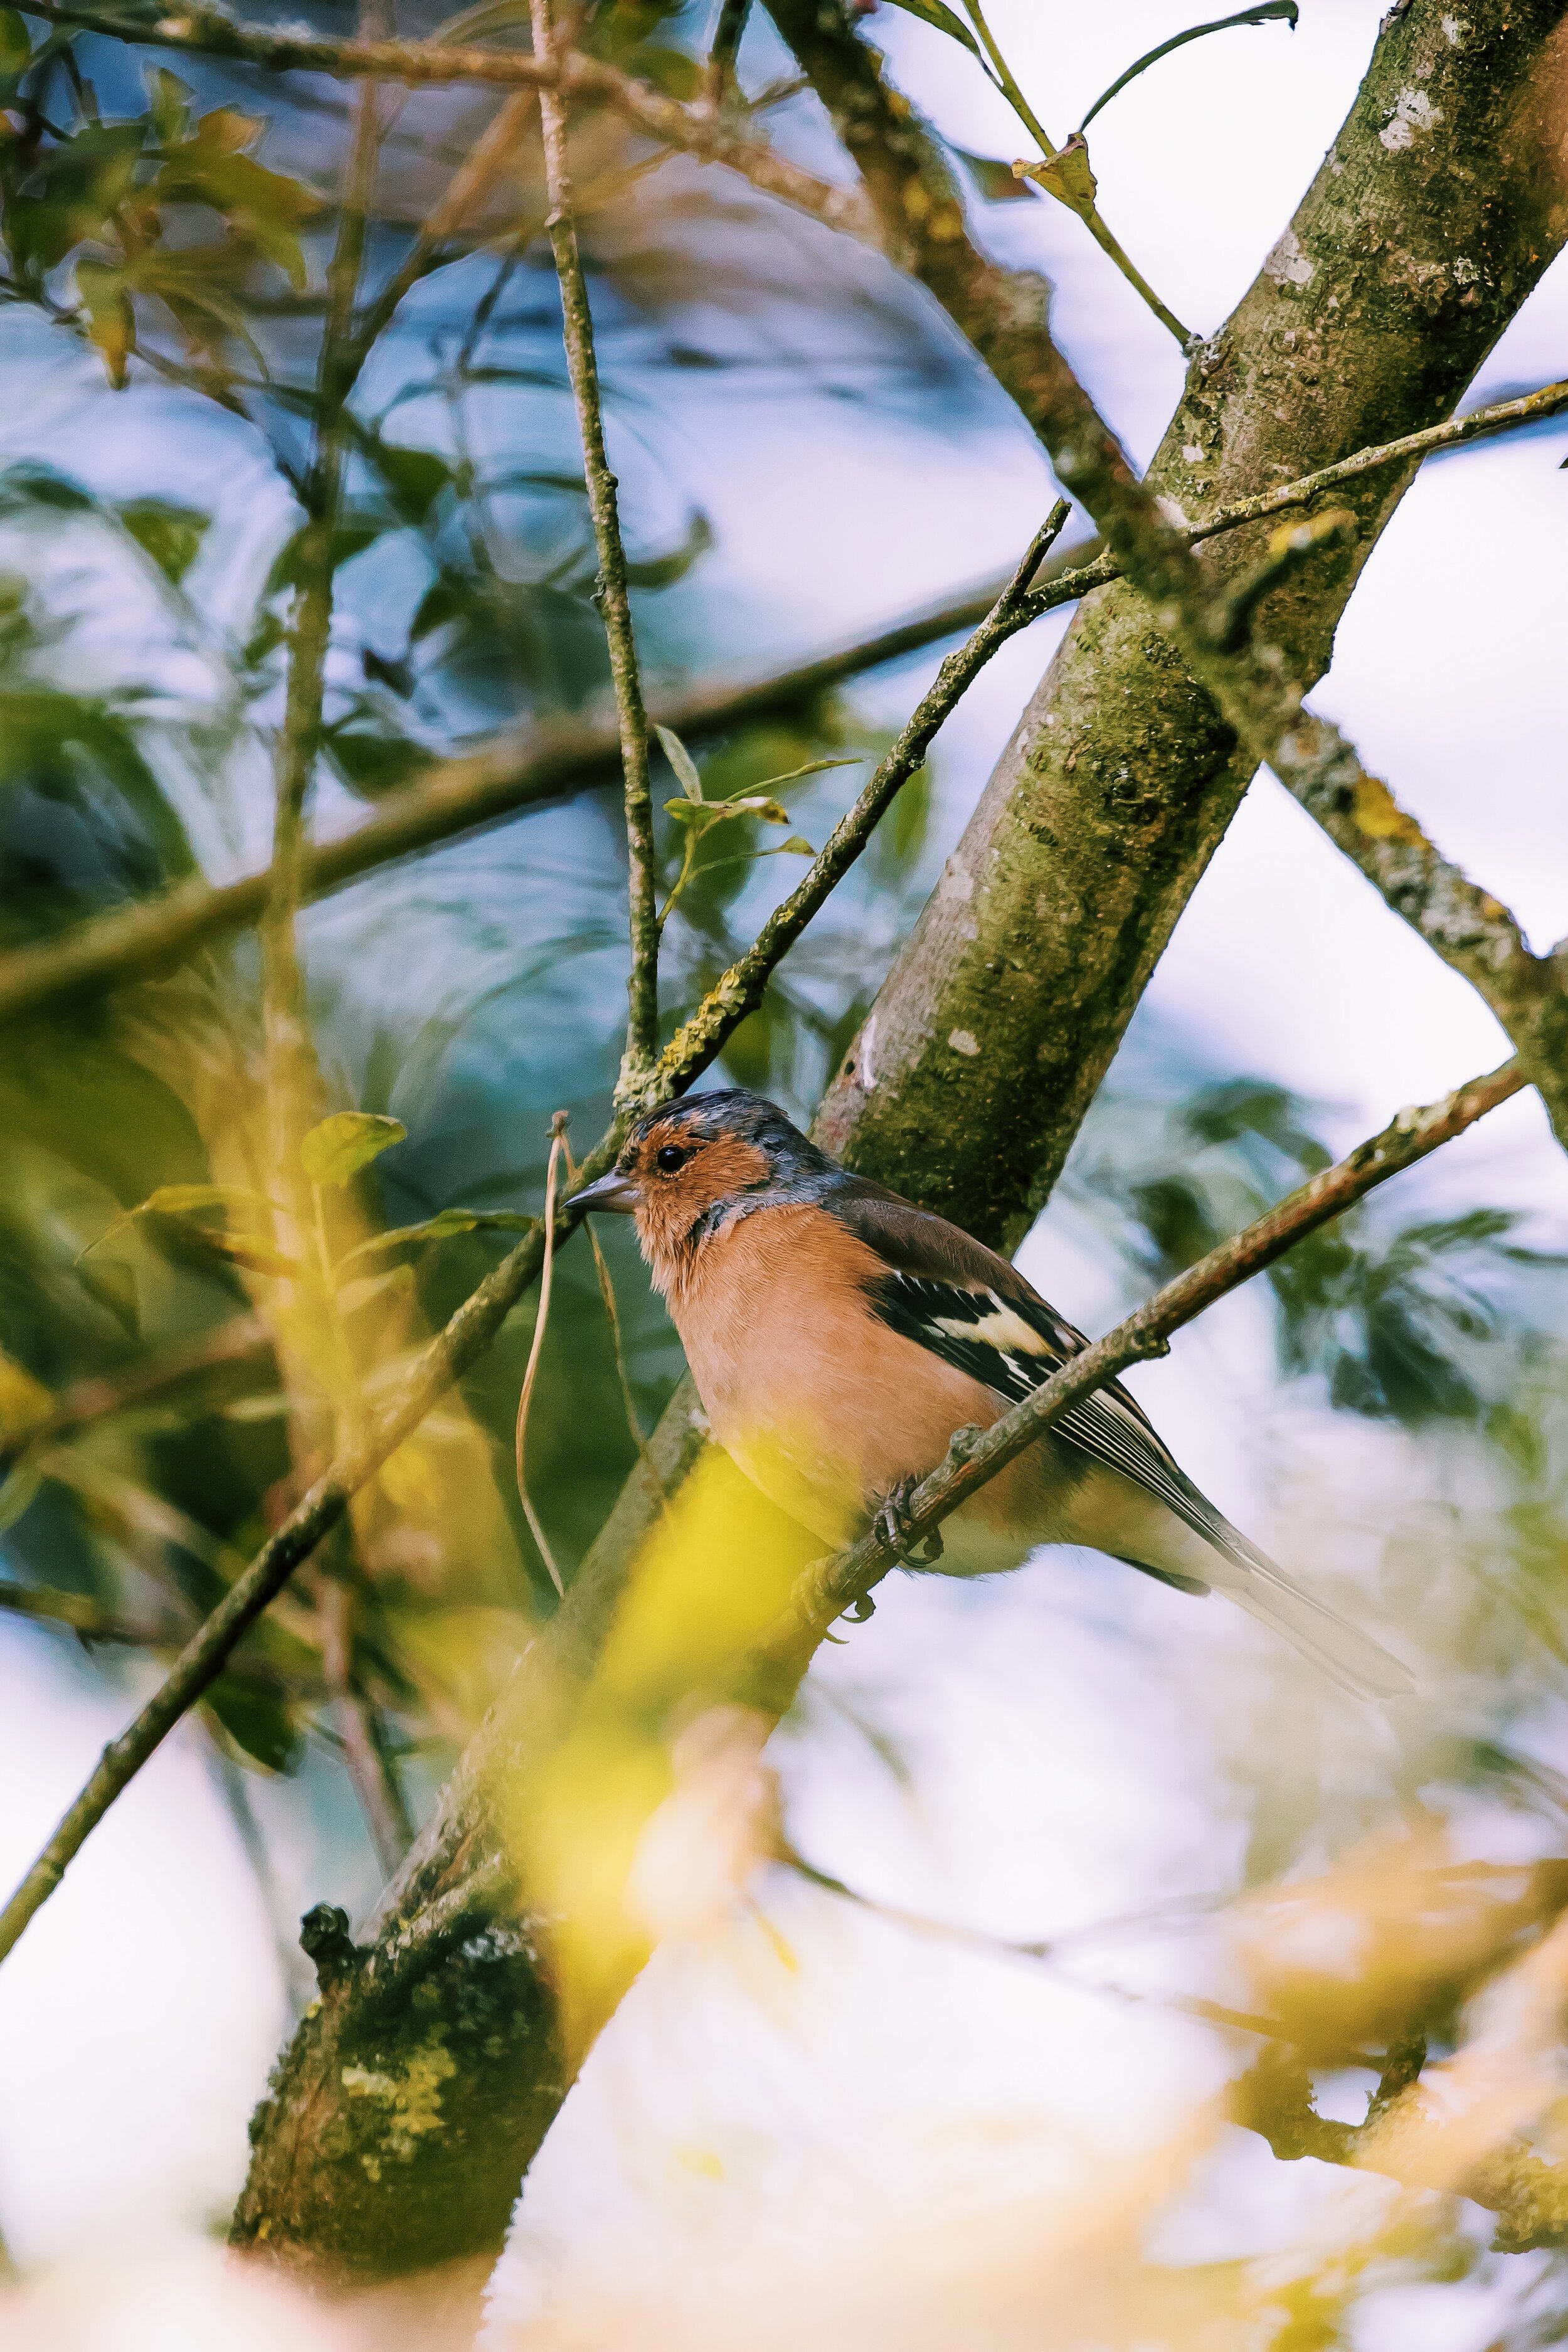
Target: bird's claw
x=892 y=1528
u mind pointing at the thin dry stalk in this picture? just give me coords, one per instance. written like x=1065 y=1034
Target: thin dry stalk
x=364 y=1751
x=541 y=1324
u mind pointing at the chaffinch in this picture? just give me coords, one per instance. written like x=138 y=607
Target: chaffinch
x=838 y=1336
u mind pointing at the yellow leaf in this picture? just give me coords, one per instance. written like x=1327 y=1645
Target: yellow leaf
x=410 y=1479
x=1066 y=176
x=25 y=1404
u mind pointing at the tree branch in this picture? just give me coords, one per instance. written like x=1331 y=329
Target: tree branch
x=1275 y=2098
x=739 y=991
x=612 y=592
x=975 y=1457
x=477 y=1320
x=1122 y=775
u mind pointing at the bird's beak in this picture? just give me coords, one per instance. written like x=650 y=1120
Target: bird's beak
x=616 y=1193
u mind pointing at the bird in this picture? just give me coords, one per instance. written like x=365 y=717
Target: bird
x=838 y=1336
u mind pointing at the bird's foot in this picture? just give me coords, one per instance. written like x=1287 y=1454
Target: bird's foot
x=892 y=1527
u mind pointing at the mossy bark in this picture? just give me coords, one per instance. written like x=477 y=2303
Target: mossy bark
x=400 y=2121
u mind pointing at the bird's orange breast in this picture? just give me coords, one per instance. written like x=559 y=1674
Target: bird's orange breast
x=822 y=1405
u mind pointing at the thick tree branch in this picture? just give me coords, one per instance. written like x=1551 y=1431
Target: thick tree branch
x=1123 y=775
x=456 y=1954
x=1275 y=2098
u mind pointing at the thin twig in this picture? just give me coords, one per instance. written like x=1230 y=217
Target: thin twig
x=831 y=1586
x=540 y=1323
x=739 y=991
x=1045 y=1951
x=720 y=81
x=612 y=591
x=365 y=1756
x=457 y=199
x=1084 y=205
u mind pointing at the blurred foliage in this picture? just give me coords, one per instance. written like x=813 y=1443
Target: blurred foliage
x=177 y=1360
x=1414 y=1320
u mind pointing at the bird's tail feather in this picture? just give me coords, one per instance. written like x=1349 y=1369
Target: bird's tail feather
x=1348 y=1656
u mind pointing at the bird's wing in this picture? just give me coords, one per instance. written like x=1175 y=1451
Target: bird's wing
x=949 y=1293
x=945 y=1290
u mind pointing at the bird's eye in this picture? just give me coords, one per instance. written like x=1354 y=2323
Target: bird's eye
x=670 y=1157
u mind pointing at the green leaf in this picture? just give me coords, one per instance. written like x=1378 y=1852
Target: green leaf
x=349 y=1140
x=111 y=1284
x=664 y=571
x=811 y=768
x=997 y=182
x=87 y=176
x=1268 y=12
x=445 y=1222
x=670 y=71
x=681 y=760
x=934 y=12
x=257 y=1718
x=415 y=477
x=756 y=804
x=29 y=484
x=16 y=46
x=254 y=1251
x=169 y=103
x=19 y=1491
x=264 y=207
x=373 y=765
x=186 y=1200
x=25 y=1403
x=169 y=536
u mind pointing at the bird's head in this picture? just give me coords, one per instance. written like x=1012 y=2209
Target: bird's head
x=687 y=1170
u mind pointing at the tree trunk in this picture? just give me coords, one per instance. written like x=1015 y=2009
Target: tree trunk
x=416 y=2093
